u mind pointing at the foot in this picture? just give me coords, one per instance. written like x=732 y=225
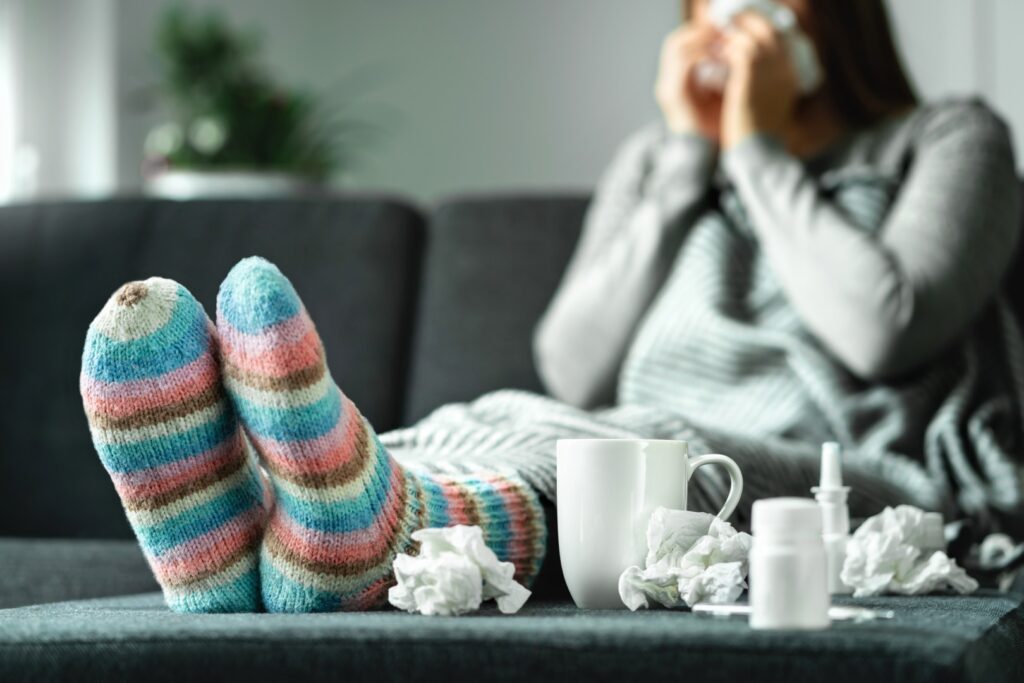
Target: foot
x=344 y=507
x=169 y=439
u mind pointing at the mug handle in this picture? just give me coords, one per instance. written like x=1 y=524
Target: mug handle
x=735 y=479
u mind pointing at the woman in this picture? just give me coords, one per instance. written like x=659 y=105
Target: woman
x=759 y=272
x=808 y=268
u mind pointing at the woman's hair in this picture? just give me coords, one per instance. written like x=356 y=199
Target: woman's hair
x=864 y=75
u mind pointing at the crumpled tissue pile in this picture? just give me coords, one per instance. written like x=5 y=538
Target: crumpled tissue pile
x=453 y=573
x=692 y=557
x=901 y=550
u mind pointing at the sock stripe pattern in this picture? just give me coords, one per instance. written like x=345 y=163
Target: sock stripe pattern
x=167 y=435
x=344 y=508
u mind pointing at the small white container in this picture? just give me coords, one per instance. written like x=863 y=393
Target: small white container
x=788 y=574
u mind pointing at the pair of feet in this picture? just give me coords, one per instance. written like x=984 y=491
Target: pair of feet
x=173 y=402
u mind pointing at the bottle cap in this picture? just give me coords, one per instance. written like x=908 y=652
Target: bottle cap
x=786 y=518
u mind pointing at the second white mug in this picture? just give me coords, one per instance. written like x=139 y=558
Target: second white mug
x=607 y=491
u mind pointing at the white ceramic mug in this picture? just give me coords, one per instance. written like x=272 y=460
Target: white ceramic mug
x=607 y=490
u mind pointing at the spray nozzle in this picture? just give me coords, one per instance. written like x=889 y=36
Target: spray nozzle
x=831 y=467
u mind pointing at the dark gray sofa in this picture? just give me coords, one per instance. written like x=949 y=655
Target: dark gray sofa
x=417 y=308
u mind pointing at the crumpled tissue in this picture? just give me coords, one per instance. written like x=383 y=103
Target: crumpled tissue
x=893 y=552
x=453 y=573
x=692 y=557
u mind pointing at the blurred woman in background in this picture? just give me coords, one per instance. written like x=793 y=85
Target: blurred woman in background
x=783 y=268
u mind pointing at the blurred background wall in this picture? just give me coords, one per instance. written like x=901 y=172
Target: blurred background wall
x=473 y=95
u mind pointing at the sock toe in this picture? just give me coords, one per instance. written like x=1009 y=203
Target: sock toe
x=255 y=295
x=145 y=328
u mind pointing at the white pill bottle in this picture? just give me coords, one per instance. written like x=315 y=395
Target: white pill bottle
x=788 y=570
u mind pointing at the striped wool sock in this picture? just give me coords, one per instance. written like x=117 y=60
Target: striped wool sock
x=170 y=441
x=344 y=507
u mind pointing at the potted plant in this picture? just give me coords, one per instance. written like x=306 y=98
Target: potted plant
x=233 y=130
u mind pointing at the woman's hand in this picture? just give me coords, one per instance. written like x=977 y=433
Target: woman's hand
x=687 y=108
x=762 y=85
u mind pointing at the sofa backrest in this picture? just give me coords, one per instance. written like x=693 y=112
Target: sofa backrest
x=490 y=269
x=413 y=316
x=355 y=262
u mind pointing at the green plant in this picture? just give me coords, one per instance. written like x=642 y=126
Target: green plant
x=229 y=113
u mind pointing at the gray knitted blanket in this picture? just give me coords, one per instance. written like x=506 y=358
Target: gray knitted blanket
x=721 y=359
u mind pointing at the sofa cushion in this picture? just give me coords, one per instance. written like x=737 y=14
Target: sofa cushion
x=491 y=267
x=978 y=638
x=355 y=261
x=34 y=571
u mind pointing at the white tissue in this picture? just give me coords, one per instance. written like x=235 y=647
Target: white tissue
x=692 y=557
x=722 y=12
x=894 y=552
x=453 y=573
x=801 y=51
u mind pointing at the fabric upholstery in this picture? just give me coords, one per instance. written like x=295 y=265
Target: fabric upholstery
x=354 y=260
x=491 y=267
x=932 y=639
x=34 y=571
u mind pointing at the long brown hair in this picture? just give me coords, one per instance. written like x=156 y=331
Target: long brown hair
x=864 y=76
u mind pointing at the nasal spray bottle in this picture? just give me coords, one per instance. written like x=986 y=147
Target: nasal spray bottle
x=835 y=515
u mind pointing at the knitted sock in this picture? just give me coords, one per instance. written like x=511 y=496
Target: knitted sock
x=169 y=439
x=344 y=507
